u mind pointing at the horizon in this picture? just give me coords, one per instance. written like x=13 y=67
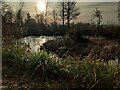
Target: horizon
x=110 y=10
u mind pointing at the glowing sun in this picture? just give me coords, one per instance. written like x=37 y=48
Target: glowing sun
x=41 y=6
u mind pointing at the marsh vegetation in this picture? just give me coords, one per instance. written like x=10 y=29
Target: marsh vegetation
x=36 y=54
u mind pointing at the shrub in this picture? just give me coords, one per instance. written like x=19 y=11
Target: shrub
x=68 y=72
x=77 y=36
x=72 y=72
x=38 y=58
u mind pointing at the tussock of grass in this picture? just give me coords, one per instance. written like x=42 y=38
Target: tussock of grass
x=43 y=68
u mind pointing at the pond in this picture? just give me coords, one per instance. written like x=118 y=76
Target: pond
x=36 y=42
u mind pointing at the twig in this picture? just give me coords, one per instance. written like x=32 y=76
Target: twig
x=94 y=84
x=35 y=70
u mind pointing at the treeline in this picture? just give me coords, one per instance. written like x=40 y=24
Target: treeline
x=15 y=23
x=107 y=31
x=37 y=28
x=18 y=25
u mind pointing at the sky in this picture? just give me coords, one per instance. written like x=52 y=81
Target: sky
x=63 y=0
x=110 y=10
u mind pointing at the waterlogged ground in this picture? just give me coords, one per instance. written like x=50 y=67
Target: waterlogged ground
x=66 y=74
x=36 y=42
x=97 y=47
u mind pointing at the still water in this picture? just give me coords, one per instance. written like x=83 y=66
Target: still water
x=35 y=42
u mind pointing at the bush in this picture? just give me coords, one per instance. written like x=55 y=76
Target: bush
x=68 y=72
x=72 y=72
x=77 y=36
x=110 y=32
x=14 y=56
x=38 y=59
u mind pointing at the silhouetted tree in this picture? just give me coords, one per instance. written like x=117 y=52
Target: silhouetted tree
x=119 y=12
x=40 y=17
x=61 y=9
x=19 y=18
x=71 y=11
x=6 y=12
x=54 y=16
x=68 y=11
x=46 y=12
x=8 y=17
x=29 y=24
x=28 y=20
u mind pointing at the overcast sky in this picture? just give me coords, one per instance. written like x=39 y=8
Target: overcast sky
x=110 y=10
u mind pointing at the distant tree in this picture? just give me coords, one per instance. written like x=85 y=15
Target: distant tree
x=19 y=18
x=30 y=25
x=4 y=7
x=98 y=14
x=46 y=12
x=42 y=19
x=119 y=12
x=54 y=16
x=6 y=12
x=29 y=20
x=61 y=8
x=8 y=17
x=69 y=11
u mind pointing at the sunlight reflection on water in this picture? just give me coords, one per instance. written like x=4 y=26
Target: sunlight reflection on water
x=36 y=42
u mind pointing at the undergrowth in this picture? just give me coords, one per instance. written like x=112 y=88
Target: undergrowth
x=41 y=68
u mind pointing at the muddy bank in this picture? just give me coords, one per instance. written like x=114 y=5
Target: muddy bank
x=96 y=48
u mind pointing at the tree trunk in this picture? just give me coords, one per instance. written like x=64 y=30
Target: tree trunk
x=68 y=23
x=63 y=14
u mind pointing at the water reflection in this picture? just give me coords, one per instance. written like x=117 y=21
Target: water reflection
x=36 y=42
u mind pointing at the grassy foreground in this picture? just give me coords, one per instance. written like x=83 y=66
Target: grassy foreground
x=23 y=69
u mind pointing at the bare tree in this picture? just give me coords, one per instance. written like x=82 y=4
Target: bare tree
x=54 y=16
x=119 y=12
x=46 y=12
x=72 y=11
x=6 y=12
x=69 y=11
x=8 y=17
x=19 y=14
x=37 y=15
x=61 y=8
x=28 y=19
